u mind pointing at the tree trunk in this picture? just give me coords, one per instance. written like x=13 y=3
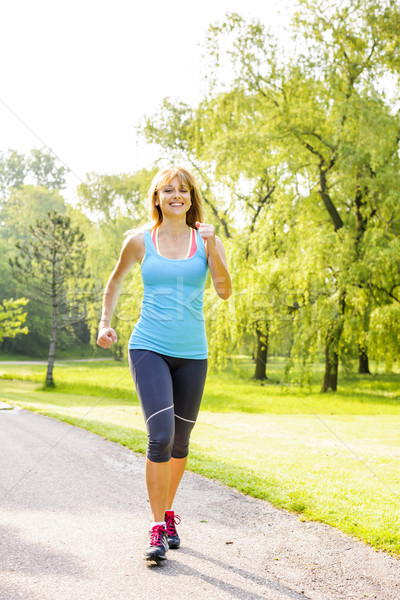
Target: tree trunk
x=361 y=226
x=261 y=354
x=117 y=352
x=330 y=380
x=363 y=363
x=52 y=350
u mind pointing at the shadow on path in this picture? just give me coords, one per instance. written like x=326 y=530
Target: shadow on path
x=178 y=569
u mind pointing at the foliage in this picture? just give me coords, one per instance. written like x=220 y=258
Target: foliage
x=40 y=166
x=23 y=207
x=109 y=198
x=12 y=318
x=54 y=260
x=304 y=148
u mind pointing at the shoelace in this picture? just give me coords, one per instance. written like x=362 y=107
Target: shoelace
x=171 y=522
x=156 y=535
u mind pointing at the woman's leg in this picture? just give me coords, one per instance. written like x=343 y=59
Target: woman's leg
x=153 y=383
x=158 y=483
x=188 y=379
x=178 y=466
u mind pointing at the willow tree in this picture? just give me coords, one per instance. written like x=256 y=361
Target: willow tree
x=314 y=128
x=352 y=46
x=330 y=118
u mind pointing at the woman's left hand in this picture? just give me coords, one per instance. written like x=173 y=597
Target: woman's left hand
x=207 y=232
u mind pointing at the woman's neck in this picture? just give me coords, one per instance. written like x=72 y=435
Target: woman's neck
x=173 y=229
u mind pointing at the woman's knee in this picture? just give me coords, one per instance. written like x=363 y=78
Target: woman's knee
x=159 y=449
x=180 y=449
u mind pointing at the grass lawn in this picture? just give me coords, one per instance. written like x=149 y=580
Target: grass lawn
x=329 y=457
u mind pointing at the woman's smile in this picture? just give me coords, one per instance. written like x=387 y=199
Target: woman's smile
x=174 y=195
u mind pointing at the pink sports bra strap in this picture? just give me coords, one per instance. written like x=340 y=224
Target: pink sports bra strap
x=193 y=247
x=153 y=236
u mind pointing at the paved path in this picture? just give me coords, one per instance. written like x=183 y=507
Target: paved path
x=74 y=518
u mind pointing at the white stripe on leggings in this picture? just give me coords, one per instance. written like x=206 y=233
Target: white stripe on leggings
x=187 y=420
x=158 y=412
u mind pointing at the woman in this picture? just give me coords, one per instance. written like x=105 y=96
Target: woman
x=168 y=346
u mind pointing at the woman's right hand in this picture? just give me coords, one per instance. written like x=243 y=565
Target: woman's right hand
x=106 y=337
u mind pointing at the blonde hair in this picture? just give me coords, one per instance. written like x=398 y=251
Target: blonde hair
x=195 y=212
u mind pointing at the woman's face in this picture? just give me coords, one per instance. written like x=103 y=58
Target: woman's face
x=173 y=198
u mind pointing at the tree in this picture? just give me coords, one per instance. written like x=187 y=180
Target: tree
x=53 y=259
x=44 y=168
x=24 y=206
x=16 y=169
x=315 y=131
x=22 y=209
x=12 y=318
x=13 y=171
x=110 y=197
x=351 y=46
x=322 y=111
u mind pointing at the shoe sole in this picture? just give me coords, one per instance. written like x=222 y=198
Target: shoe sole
x=155 y=558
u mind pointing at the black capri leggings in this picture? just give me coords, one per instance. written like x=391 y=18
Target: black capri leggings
x=170 y=391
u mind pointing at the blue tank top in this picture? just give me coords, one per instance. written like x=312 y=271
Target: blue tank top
x=171 y=321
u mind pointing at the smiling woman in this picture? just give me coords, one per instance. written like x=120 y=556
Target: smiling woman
x=175 y=187
x=168 y=346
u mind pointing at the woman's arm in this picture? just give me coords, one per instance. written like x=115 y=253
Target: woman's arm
x=131 y=253
x=216 y=260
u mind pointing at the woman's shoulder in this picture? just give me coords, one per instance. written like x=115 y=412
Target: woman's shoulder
x=136 y=236
x=134 y=243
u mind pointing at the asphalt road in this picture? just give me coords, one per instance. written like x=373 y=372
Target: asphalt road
x=74 y=519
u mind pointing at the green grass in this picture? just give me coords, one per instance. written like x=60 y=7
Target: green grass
x=329 y=457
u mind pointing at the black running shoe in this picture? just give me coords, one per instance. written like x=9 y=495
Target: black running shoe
x=158 y=544
x=171 y=519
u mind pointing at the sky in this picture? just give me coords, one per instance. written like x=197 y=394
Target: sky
x=81 y=74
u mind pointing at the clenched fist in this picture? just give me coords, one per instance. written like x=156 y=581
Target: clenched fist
x=207 y=232
x=106 y=337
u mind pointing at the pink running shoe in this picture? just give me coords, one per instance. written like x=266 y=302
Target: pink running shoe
x=171 y=519
x=158 y=544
